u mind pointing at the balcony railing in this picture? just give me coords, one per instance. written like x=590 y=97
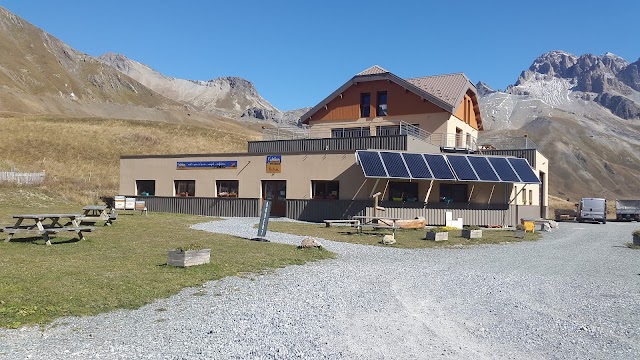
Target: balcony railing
x=507 y=143
x=285 y=133
x=455 y=141
x=408 y=129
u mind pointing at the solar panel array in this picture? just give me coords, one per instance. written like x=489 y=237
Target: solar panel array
x=402 y=165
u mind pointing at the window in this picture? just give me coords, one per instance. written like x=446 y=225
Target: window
x=350 y=132
x=185 y=187
x=365 y=105
x=524 y=197
x=403 y=191
x=387 y=130
x=530 y=197
x=145 y=187
x=458 y=137
x=456 y=193
x=325 y=189
x=227 y=188
x=381 y=108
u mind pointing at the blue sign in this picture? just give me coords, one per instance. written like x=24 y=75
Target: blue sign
x=195 y=165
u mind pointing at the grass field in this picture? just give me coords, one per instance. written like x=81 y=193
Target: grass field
x=405 y=238
x=121 y=266
x=81 y=157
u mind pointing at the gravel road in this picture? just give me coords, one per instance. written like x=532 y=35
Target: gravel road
x=575 y=294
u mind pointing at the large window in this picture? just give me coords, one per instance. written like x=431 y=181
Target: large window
x=381 y=108
x=365 y=105
x=403 y=191
x=145 y=187
x=350 y=132
x=185 y=187
x=453 y=193
x=227 y=188
x=325 y=189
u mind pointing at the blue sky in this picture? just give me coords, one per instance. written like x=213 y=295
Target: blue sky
x=298 y=52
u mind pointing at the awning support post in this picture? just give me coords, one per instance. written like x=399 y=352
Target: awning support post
x=360 y=188
x=471 y=193
x=426 y=198
x=373 y=190
x=491 y=194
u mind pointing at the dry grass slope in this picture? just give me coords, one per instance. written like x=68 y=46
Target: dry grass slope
x=82 y=156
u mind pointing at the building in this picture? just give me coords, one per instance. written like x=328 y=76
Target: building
x=412 y=140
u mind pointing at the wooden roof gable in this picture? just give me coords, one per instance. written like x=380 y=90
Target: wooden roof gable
x=445 y=91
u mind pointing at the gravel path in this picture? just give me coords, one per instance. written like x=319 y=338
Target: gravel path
x=574 y=294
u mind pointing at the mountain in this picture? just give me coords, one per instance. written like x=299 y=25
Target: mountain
x=228 y=96
x=232 y=95
x=40 y=74
x=583 y=112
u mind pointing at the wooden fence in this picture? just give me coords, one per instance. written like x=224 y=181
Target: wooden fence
x=22 y=177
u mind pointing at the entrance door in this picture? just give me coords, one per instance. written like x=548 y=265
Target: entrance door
x=276 y=191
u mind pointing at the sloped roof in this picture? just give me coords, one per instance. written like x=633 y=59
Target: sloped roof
x=445 y=91
x=445 y=87
x=374 y=70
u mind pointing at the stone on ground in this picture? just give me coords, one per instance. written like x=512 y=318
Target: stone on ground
x=310 y=242
x=388 y=240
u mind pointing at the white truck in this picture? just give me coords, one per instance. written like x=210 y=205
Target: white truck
x=592 y=209
x=628 y=210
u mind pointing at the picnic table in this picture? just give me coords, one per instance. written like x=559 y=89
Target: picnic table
x=94 y=213
x=45 y=225
x=376 y=222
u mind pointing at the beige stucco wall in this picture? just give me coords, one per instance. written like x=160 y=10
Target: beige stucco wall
x=299 y=170
x=532 y=191
x=250 y=172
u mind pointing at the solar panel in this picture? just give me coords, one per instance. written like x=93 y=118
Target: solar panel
x=483 y=168
x=504 y=170
x=371 y=164
x=417 y=166
x=462 y=168
x=439 y=167
x=521 y=166
x=395 y=165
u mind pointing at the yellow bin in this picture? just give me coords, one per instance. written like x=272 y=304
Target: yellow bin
x=528 y=225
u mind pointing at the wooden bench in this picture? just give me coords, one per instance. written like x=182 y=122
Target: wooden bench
x=376 y=227
x=349 y=222
x=23 y=230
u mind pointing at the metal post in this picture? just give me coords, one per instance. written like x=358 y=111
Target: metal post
x=264 y=221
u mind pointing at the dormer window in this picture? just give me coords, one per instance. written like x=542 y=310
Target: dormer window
x=381 y=109
x=365 y=105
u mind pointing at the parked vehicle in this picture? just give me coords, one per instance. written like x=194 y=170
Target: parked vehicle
x=628 y=210
x=592 y=209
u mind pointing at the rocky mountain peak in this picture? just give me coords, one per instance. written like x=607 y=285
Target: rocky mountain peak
x=235 y=84
x=553 y=63
x=484 y=89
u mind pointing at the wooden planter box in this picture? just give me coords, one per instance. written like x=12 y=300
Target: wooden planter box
x=519 y=233
x=437 y=236
x=472 y=234
x=189 y=257
x=636 y=240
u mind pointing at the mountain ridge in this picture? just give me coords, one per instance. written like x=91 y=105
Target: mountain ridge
x=583 y=115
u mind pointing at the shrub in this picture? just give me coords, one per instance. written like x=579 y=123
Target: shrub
x=438 y=229
x=519 y=227
x=193 y=246
x=471 y=227
x=636 y=233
